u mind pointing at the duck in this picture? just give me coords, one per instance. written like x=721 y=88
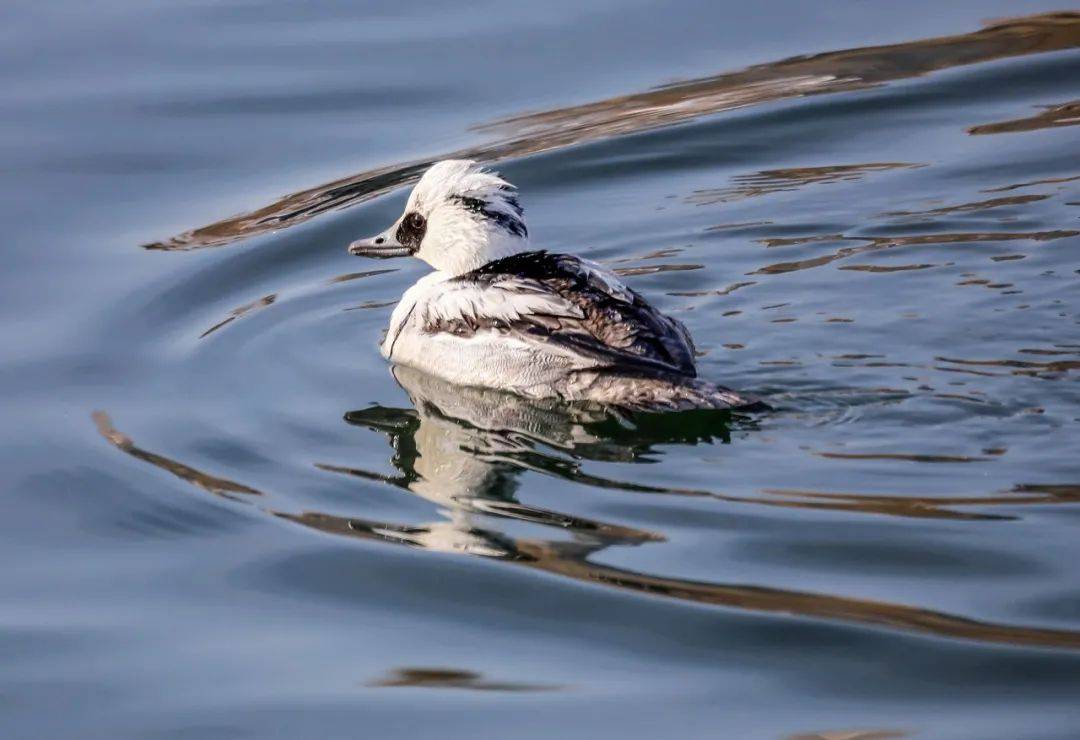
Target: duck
x=497 y=313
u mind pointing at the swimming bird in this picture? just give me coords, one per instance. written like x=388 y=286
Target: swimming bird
x=497 y=313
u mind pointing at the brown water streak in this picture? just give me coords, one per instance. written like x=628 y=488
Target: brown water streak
x=1054 y=116
x=838 y=71
x=570 y=559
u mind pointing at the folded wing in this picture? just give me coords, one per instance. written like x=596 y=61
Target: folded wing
x=564 y=301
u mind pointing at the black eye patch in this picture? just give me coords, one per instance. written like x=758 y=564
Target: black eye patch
x=513 y=224
x=411 y=231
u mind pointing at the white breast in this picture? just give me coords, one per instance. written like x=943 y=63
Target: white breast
x=486 y=358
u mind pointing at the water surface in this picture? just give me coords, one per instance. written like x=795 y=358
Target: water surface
x=224 y=515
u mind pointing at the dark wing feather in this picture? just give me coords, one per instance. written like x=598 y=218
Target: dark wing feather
x=563 y=300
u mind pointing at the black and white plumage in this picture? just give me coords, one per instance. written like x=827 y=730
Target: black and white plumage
x=497 y=314
x=572 y=304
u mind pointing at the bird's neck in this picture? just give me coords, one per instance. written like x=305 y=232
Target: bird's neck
x=498 y=246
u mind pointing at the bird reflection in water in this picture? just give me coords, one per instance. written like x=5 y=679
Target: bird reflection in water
x=464 y=449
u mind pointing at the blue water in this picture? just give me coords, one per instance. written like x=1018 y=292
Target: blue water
x=223 y=516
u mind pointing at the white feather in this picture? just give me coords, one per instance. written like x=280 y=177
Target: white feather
x=505 y=301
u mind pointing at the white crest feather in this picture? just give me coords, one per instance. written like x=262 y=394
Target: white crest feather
x=473 y=216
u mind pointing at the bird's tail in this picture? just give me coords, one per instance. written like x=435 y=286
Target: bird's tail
x=701 y=394
x=669 y=394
